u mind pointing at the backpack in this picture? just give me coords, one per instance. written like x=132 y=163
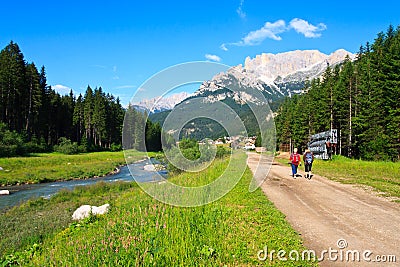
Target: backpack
x=309 y=158
x=295 y=158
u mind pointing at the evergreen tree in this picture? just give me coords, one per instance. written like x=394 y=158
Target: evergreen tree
x=12 y=86
x=39 y=115
x=88 y=114
x=153 y=136
x=129 y=128
x=99 y=117
x=78 y=119
x=115 y=119
x=34 y=101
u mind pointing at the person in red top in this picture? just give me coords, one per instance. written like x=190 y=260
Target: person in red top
x=295 y=161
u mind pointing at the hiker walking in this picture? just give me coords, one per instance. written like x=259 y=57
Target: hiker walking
x=308 y=159
x=295 y=162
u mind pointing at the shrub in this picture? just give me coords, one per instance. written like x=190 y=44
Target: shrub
x=11 y=143
x=65 y=146
x=222 y=151
x=115 y=147
x=194 y=153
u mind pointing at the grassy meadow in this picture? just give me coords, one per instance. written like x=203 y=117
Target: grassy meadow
x=140 y=231
x=37 y=219
x=47 y=167
x=383 y=176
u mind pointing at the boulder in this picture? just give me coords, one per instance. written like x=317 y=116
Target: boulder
x=4 y=192
x=85 y=210
x=153 y=167
x=149 y=167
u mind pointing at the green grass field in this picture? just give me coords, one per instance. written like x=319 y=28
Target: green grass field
x=38 y=219
x=140 y=231
x=47 y=167
x=384 y=177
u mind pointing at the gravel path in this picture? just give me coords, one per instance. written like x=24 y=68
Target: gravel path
x=343 y=219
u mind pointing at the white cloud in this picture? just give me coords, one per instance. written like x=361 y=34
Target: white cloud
x=223 y=47
x=271 y=30
x=213 y=57
x=125 y=87
x=240 y=11
x=307 y=29
x=61 y=89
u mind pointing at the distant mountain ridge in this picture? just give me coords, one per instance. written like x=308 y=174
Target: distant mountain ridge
x=274 y=75
x=160 y=104
x=278 y=75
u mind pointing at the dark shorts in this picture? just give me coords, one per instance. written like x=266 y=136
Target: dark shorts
x=308 y=167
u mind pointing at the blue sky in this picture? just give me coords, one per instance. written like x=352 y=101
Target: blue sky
x=118 y=45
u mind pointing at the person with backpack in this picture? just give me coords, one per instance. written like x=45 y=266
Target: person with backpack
x=308 y=159
x=295 y=162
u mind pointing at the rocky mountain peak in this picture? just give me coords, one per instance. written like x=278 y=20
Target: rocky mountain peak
x=158 y=104
x=277 y=74
x=269 y=66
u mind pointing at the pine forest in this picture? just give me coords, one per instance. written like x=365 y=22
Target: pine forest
x=360 y=98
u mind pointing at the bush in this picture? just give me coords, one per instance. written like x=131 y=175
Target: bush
x=11 y=150
x=194 y=153
x=222 y=151
x=11 y=143
x=65 y=146
x=115 y=147
x=33 y=147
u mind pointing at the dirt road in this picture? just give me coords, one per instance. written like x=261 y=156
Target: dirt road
x=343 y=219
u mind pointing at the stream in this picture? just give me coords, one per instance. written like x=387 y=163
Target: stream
x=22 y=193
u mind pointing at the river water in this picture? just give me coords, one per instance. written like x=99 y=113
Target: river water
x=21 y=193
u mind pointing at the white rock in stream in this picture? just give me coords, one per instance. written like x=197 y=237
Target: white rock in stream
x=149 y=167
x=4 y=192
x=153 y=167
x=85 y=210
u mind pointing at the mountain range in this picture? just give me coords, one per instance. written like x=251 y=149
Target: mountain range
x=277 y=75
x=160 y=104
x=274 y=75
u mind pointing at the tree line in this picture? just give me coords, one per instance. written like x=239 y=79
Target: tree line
x=35 y=118
x=141 y=134
x=360 y=98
